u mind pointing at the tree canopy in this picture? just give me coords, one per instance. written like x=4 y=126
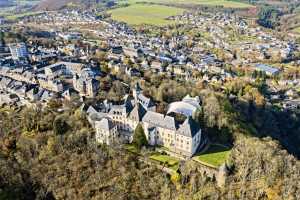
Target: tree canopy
x=139 y=137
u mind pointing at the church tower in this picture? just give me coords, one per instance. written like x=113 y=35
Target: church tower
x=136 y=91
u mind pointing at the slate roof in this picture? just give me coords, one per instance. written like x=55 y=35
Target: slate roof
x=46 y=95
x=189 y=128
x=97 y=116
x=69 y=92
x=160 y=120
x=91 y=110
x=5 y=82
x=152 y=130
x=137 y=112
x=128 y=106
x=83 y=107
x=145 y=101
x=105 y=124
x=116 y=109
x=186 y=107
x=267 y=68
x=137 y=87
x=56 y=67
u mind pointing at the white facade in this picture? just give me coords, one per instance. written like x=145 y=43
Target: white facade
x=182 y=139
x=18 y=50
x=172 y=139
x=160 y=130
x=105 y=133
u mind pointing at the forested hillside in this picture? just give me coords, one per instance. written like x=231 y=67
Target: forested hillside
x=47 y=154
x=81 y=4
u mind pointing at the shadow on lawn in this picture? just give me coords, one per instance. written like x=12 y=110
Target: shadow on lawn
x=216 y=148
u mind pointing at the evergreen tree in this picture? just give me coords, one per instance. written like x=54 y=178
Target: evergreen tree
x=60 y=126
x=139 y=137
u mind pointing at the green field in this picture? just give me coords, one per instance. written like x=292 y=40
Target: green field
x=170 y=161
x=225 y=3
x=164 y=159
x=138 y=14
x=215 y=156
x=11 y=13
x=17 y=16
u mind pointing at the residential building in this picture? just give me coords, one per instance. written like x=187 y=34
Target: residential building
x=18 y=50
x=269 y=70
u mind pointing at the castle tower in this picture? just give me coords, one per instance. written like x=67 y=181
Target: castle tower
x=136 y=91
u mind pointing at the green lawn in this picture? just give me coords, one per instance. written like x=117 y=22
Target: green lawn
x=170 y=161
x=215 y=156
x=138 y=14
x=131 y=148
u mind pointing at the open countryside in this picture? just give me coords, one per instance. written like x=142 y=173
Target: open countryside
x=145 y=14
x=225 y=3
x=140 y=12
x=151 y=11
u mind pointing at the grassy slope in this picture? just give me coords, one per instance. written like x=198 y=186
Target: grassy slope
x=215 y=156
x=137 y=14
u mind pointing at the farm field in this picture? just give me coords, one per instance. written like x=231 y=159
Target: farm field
x=10 y=12
x=225 y=3
x=16 y=16
x=137 y=14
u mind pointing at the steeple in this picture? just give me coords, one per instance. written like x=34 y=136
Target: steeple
x=137 y=87
x=136 y=91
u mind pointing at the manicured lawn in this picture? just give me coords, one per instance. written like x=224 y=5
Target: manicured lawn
x=131 y=148
x=137 y=14
x=215 y=156
x=170 y=161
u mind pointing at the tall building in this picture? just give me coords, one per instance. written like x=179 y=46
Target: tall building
x=86 y=84
x=118 y=122
x=18 y=50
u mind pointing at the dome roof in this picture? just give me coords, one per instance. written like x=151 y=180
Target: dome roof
x=186 y=107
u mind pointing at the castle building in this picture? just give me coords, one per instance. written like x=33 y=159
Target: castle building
x=120 y=121
x=86 y=84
